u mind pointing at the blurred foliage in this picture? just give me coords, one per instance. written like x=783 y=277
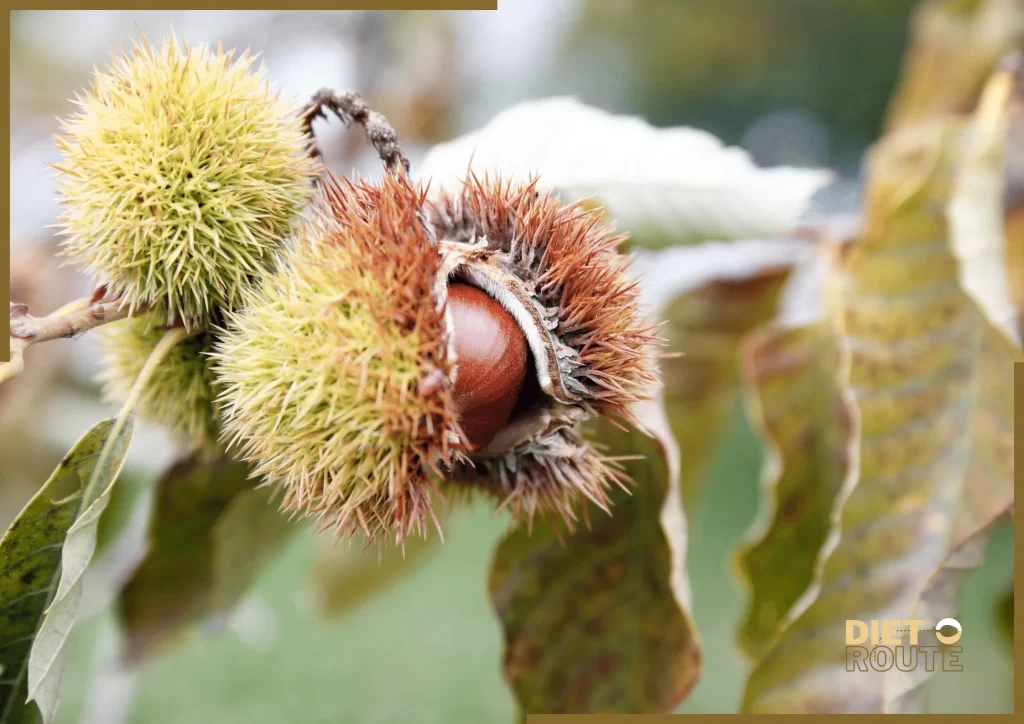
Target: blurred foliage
x=1014 y=202
x=210 y=534
x=720 y=65
x=705 y=328
x=1004 y=617
x=956 y=46
x=346 y=573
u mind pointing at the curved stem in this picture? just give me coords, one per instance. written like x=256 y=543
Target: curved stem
x=70 y=320
x=170 y=339
x=351 y=108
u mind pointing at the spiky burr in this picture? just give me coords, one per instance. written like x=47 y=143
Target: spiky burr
x=411 y=344
x=181 y=174
x=182 y=390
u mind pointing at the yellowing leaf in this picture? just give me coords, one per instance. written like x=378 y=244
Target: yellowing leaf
x=977 y=210
x=796 y=403
x=31 y=566
x=956 y=44
x=707 y=325
x=597 y=621
x=930 y=385
x=211 y=532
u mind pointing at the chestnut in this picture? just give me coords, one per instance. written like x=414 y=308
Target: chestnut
x=491 y=361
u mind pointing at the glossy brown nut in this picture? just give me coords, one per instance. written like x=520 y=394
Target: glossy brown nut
x=492 y=357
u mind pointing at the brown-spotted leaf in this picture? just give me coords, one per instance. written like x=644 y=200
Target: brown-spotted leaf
x=211 y=532
x=596 y=620
x=988 y=489
x=987 y=501
x=928 y=385
x=797 y=406
x=707 y=325
x=955 y=46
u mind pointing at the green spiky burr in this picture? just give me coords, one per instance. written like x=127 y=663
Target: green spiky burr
x=323 y=371
x=181 y=174
x=181 y=393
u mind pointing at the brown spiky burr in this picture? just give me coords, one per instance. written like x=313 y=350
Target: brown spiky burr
x=412 y=343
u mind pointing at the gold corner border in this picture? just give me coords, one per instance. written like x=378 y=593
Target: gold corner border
x=5 y=259
x=1018 y=538
x=748 y=718
x=268 y=5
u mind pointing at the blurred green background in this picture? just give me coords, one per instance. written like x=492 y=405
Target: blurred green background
x=802 y=82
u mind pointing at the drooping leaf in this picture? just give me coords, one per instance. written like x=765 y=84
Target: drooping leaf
x=211 y=532
x=247 y=537
x=796 y=404
x=664 y=185
x=31 y=566
x=929 y=384
x=955 y=46
x=977 y=211
x=597 y=620
x=707 y=325
x=348 y=572
x=987 y=501
x=976 y=226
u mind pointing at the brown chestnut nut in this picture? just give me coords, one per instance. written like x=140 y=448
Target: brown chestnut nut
x=491 y=359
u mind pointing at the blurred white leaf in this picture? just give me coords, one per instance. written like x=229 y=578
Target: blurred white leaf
x=663 y=185
x=667 y=273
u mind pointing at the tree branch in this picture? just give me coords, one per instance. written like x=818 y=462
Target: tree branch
x=351 y=108
x=70 y=320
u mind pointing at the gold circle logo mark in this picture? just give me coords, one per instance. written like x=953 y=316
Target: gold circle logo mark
x=951 y=623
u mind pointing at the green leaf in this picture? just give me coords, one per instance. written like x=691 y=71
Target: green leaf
x=796 y=403
x=55 y=523
x=211 y=533
x=345 y=575
x=707 y=325
x=252 y=531
x=930 y=387
x=597 y=620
